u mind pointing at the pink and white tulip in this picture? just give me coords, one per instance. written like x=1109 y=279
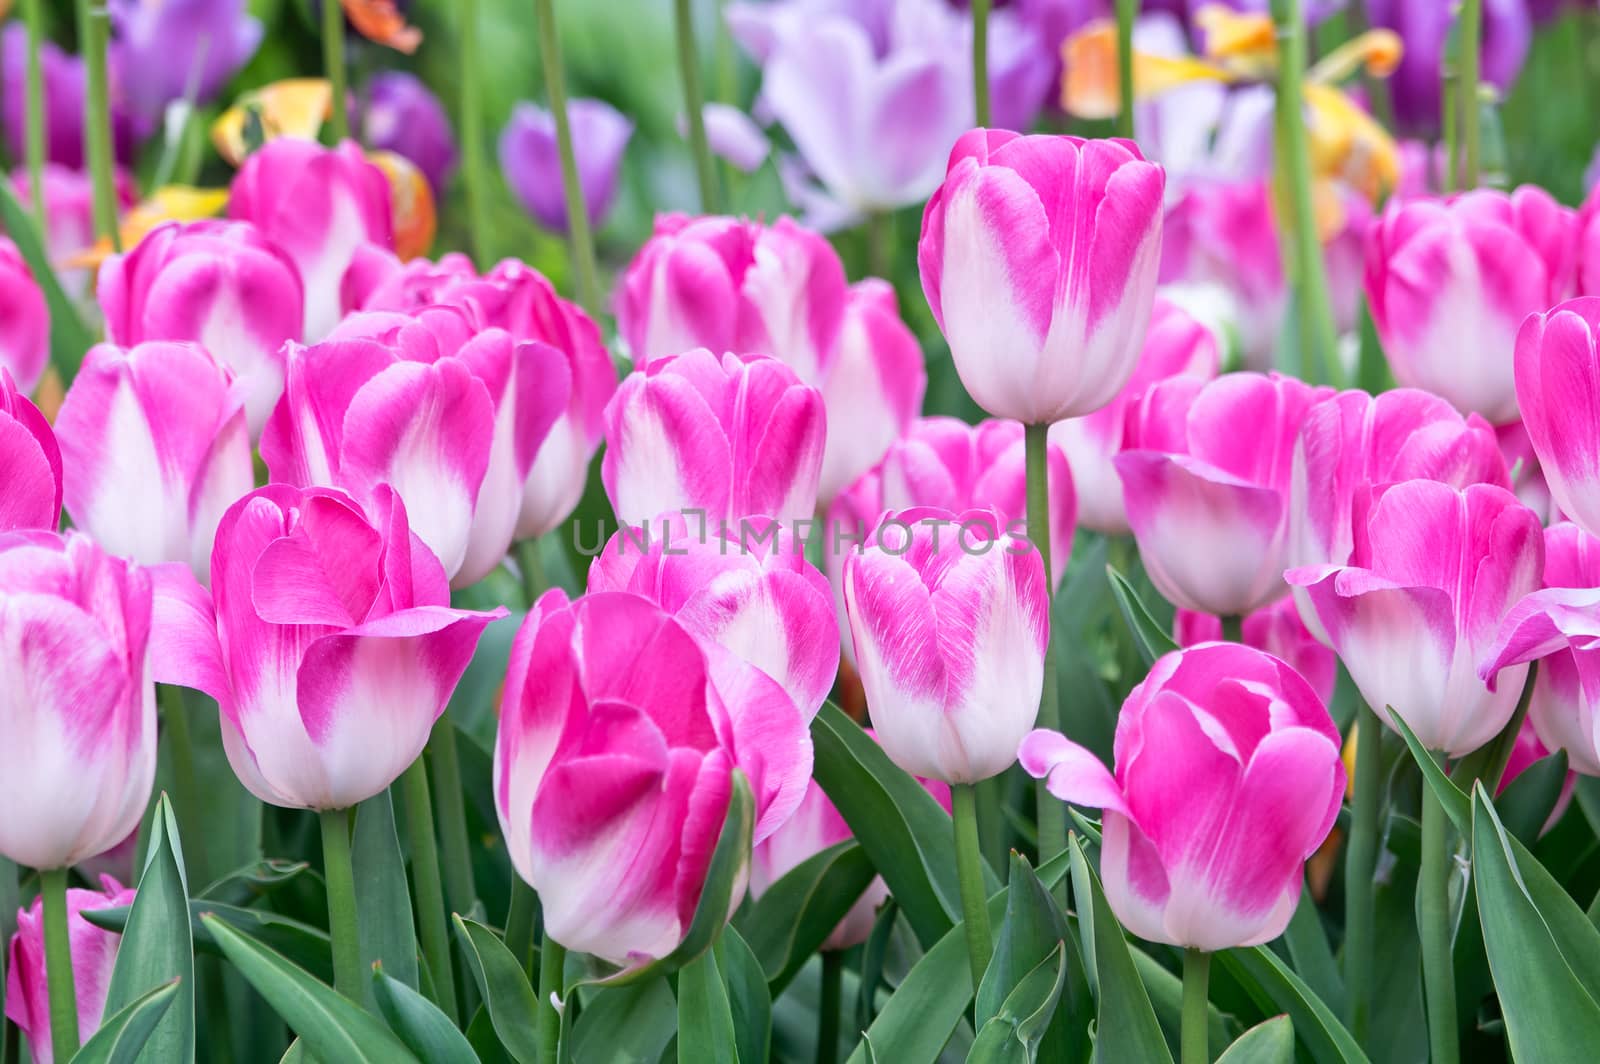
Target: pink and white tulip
x=1527 y=475
x=1558 y=388
x=69 y=217
x=320 y=205
x=25 y=322
x=950 y=616
x=154 y=448
x=1432 y=572
x=1276 y=629
x=847 y=527
x=734 y=436
x=1176 y=346
x=327 y=640
x=1039 y=258
x=77 y=709
x=1449 y=283
x=220 y=284
x=1206 y=480
x=30 y=463
x=1228 y=778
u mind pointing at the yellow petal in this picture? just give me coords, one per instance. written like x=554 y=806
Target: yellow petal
x=1349 y=144
x=381 y=22
x=171 y=203
x=1089 y=87
x=1237 y=37
x=1378 y=52
x=411 y=200
x=295 y=107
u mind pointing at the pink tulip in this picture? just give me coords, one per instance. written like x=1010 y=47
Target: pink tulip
x=25 y=322
x=847 y=526
x=1039 y=258
x=155 y=448
x=69 y=217
x=816 y=826
x=1526 y=751
x=1558 y=380
x=93 y=951
x=30 y=463
x=619 y=734
x=327 y=640
x=945 y=463
x=1206 y=480
x=220 y=284
x=1589 y=244
x=734 y=437
x=1450 y=281
x=319 y=205
x=1176 y=346
x=1276 y=629
x=1527 y=476
x=1432 y=572
x=950 y=616
x=1227 y=779
x=749 y=590
x=77 y=708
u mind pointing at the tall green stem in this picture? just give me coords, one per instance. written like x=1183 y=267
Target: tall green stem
x=1360 y=866
x=980 y=61
x=1467 y=84
x=1233 y=628
x=451 y=809
x=1127 y=13
x=969 y=873
x=36 y=135
x=1052 y=814
x=694 y=105
x=474 y=182
x=333 y=67
x=552 y=986
x=1433 y=922
x=534 y=582
x=582 y=240
x=1196 y=975
x=520 y=920
x=341 y=880
x=58 y=965
x=185 y=792
x=429 y=888
x=93 y=28
x=828 y=1010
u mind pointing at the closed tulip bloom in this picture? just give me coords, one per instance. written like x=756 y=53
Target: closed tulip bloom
x=1276 y=629
x=1039 y=258
x=950 y=616
x=532 y=164
x=1449 y=283
x=93 y=951
x=733 y=436
x=946 y=463
x=1558 y=379
x=1206 y=480
x=319 y=205
x=30 y=463
x=1227 y=778
x=1176 y=346
x=748 y=589
x=154 y=448
x=77 y=709
x=1433 y=571
x=327 y=640
x=24 y=320
x=1426 y=30
x=167 y=50
x=401 y=115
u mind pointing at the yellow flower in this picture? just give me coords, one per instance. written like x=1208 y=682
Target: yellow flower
x=171 y=203
x=295 y=107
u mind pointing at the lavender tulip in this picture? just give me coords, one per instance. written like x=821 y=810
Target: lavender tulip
x=532 y=164
x=399 y=114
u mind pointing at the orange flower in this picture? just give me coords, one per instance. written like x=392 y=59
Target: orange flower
x=411 y=201
x=381 y=22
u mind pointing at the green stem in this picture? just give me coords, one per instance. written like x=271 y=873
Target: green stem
x=429 y=888
x=474 y=182
x=451 y=810
x=333 y=67
x=828 y=1011
x=185 y=791
x=552 y=985
x=1433 y=919
x=520 y=919
x=36 y=134
x=1233 y=628
x=969 y=872
x=93 y=28
x=58 y=965
x=1052 y=819
x=1127 y=13
x=980 y=61
x=1360 y=866
x=578 y=234
x=1196 y=974
x=341 y=880
x=880 y=244
x=1449 y=180
x=534 y=582
x=1468 y=109
x=694 y=105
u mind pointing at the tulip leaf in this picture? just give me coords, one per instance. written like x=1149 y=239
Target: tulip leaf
x=633 y=1023
x=254 y=880
x=873 y=954
x=1528 y=800
x=1151 y=640
x=1276 y=988
x=424 y=1029
x=705 y=1017
x=1012 y=1034
x=1451 y=797
x=1269 y=1042
x=330 y=1025
x=1310 y=953
x=122 y=1037
x=748 y=996
x=1551 y=1015
x=157 y=946
x=795 y=915
x=503 y=984
x=70 y=338
x=305 y=945
x=384 y=922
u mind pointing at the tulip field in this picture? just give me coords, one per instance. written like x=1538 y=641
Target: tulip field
x=816 y=531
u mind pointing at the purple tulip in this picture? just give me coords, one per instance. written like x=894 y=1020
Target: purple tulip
x=62 y=78
x=400 y=115
x=532 y=163
x=166 y=50
x=1425 y=28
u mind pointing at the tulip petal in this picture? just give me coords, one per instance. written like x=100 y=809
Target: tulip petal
x=1071 y=772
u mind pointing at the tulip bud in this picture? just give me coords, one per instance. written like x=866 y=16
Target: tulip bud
x=25 y=326
x=1276 y=629
x=1557 y=380
x=78 y=710
x=165 y=52
x=950 y=616
x=399 y=114
x=327 y=640
x=1227 y=778
x=531 y=160
x=1039 y=258
x=31 y=494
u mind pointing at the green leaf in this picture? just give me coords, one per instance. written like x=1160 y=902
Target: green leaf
x=705 y=1019
x=1527 y=801
x=484 y=1042
x=796 y=914
x=873 y=954
x=331 y=1025
x=424 y=1029
x=1012 y=1034
x=503 y=984
x=1550 y=1016
x=1451 y=797
x=70 y=338
x=748 y=996
x=254 y=881
x=1151 y=640
x=1276 y=988
x=305 y=945
x=122 y=1037
x=1269 y=1042
x=384 y=922
x=1310 y=953
x=157 y=946
x=626 y=1024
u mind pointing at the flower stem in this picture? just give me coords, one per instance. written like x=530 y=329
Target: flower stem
x=1467 y=84
x=34 y=149
x=582 y=240
x=980 y=62
x=1360 y=865
x=333 y=66
x=341 y=880
x=969 y=872
x=1233 y=628
x=534 y=582
x=552 y=986
x=519 y=921
x=1052 y=817
x=694 y=105
x=1127 y=12
x=185 y=791
x=1196 y=974
x=426 y=882
x=58 y=965
x=93 y=27
x=451 y=811
x=828 y=1011
x=1433 y=919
